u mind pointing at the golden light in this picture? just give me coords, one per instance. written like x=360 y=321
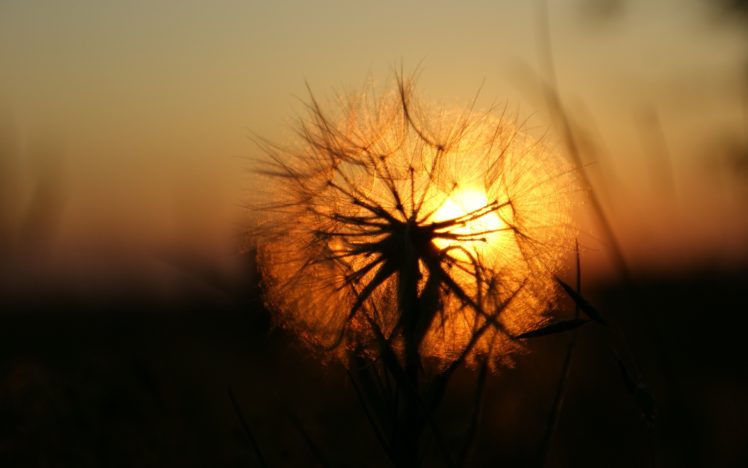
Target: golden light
x=464 y=214
x=483 y=232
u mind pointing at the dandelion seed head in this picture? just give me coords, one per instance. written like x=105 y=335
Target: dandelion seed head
x=480 y=208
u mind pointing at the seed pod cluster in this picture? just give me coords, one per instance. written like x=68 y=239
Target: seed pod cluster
x=391 y=221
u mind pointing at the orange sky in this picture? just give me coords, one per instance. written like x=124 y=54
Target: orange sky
x=142 y=110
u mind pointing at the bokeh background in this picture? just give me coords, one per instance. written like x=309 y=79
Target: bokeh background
x=128 y=307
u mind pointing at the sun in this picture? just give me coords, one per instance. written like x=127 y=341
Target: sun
x=479 y=229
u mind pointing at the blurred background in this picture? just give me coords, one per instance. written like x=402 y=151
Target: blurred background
x=128 y=307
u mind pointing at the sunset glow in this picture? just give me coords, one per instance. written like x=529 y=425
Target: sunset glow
x=465 y=215
x=482 y=231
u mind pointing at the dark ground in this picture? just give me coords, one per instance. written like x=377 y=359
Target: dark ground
x=129 y=378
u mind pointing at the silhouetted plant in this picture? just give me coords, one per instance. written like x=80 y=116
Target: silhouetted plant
x=409 y=240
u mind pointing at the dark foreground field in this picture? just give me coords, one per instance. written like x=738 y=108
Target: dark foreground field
x=134 y=378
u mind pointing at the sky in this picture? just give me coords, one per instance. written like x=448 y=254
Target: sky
x=141 y=113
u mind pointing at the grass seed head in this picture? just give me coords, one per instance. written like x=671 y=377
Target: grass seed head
x=390 y=220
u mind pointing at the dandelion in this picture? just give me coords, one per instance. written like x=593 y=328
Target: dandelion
x=433 y=233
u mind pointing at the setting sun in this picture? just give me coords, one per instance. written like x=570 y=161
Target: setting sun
x=481 y=228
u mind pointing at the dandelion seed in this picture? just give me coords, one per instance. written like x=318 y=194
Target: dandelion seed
x=405 y=223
